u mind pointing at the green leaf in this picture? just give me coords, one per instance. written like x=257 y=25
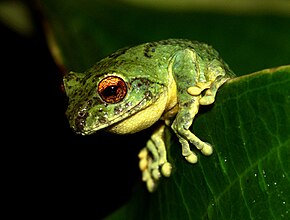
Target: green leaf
x=248 y=176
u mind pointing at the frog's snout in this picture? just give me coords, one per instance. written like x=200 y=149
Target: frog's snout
x=80 y=122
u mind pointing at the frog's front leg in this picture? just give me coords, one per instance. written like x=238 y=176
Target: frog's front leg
x=181 y=126
x=153 y=159
x=193 y=77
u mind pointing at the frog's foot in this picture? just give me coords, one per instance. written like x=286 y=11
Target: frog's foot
x=150 y=173
x=210 y=88
x=144 y=165
x=153 y=160
x=190 y=156
x=181 y=126
x=198 y=88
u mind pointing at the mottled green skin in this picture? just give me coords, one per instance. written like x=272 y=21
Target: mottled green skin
x=145 y=69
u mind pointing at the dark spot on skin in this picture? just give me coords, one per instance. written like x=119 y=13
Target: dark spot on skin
x=118 y=110
x=89 y=103
x=147 y=55
x=81 y=114
x=80 y=122
x=127 y=105
x=118 y=53
x=144 y=82
x=102 y=120
x=149 y=48
x=148 y=95
x=187 y=104
x=84 y=80
x=120 y=63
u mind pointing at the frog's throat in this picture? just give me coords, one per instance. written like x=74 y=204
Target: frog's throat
x=142 y=119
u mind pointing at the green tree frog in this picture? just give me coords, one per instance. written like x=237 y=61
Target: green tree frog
x=133 y=88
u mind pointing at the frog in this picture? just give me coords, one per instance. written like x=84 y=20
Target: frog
x=159 y=84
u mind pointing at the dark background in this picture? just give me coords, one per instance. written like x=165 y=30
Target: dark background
x=50 y=170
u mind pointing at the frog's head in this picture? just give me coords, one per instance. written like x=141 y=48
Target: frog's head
x=107 y=101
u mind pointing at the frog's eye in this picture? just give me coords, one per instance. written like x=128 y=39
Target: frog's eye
x=112 y=89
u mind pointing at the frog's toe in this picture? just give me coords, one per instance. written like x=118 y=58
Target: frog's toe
x=207 y=149
x=192 y=158
x=156 y=174
x=194 y=90
x=198 y=88
x=144 y=159
x=151 y=185
x=207 y=100
x=147 y=177
x=150 y=170
x=143 y=164
x=166 y=169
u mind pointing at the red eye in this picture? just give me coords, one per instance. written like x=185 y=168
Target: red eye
x=112 y=89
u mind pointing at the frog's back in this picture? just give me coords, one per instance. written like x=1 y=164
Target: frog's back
x=206 y=53
x=171 y=46
x=152 y=56
x=159 y=53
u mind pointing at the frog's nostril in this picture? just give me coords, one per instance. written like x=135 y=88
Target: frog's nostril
x=81 y=114
x=79 y=125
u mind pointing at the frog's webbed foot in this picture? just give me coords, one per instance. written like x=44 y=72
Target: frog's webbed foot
x=153 y=160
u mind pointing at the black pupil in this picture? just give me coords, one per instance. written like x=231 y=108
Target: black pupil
x=110 y=91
